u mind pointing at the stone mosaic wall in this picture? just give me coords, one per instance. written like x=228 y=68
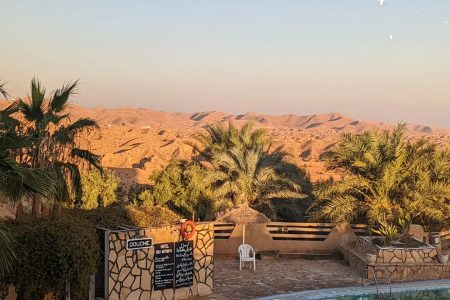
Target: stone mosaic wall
x=365 y=246
x=391 y=255
x=399 y=263
x=131 y=272
x=398 y=271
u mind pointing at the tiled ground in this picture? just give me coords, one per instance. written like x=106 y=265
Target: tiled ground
x=278 y=276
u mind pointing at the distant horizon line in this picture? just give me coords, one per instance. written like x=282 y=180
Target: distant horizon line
x=388 y=123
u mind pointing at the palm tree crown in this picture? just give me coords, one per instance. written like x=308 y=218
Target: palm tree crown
x=388 y=178
x=244 y=168
x=55 y=144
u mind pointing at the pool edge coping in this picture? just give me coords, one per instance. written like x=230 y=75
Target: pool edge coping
x=362 y=291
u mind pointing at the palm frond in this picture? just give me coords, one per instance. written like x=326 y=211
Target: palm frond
x=7 y=255
x=3 y=90
x=17 y=182
x=33 y=109
x=61 y=97
x=83 y=124
x=87 y=156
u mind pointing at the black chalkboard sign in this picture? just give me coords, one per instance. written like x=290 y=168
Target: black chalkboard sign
x=184 y=264
x=164 y=266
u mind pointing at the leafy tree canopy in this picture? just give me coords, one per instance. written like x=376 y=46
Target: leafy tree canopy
x=388 y=178
x=99 y=188
x=244 y=169
x=181 y=186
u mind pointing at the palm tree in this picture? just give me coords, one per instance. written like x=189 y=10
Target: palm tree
x=3 y=90
x=16 y=181
x=220 y=138
x=388 y=178
x=249 y=176
x=244 y=168
x=6 y=242
x=56 y=146
x=6 y=251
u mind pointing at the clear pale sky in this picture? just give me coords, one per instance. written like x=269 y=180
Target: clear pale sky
x=277 y=57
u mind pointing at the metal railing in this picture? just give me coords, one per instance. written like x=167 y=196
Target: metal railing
x=374 y=270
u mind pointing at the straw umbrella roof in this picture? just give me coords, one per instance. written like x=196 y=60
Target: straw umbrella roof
x=243 y=215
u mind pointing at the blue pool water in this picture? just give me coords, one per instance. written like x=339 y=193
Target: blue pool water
x=422 y=295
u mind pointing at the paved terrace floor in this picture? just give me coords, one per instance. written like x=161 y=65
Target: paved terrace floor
x=278 y=276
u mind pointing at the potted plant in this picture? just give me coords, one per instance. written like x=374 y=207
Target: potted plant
x=371 y=258
x=443 y=258
x=388 y=231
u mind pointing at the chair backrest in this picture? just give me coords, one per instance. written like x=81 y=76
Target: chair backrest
x=245 y=250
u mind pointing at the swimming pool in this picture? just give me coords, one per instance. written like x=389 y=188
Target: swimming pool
x=442 y=294
x=426 y=290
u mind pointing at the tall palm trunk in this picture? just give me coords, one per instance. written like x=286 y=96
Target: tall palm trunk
x=36 y=208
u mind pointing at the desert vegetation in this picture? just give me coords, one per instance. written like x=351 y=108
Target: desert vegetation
x=233 y=166
x=388 y=180
x=46 y=163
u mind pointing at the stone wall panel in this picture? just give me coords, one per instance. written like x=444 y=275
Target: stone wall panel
x=131 y=272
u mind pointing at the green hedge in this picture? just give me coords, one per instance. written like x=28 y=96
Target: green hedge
x=113 y=216
x=51 y=252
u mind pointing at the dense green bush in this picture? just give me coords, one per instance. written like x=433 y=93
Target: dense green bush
x=388 y=178
x=134 y=192
x=51 y=253
x=116 y=215
x=99 y=188
x=64 y=249
x=183 y=187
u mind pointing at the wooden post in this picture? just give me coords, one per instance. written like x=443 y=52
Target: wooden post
x=92 y=287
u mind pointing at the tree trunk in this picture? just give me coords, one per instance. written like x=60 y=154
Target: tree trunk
x=45 y=210
x=57 y=208
x=19 y=211
x=36 y=208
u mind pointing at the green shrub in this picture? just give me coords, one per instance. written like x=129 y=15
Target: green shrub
x=99 y=188
x=145 y=198
x=183 y=187
x=135 y=191
x=51 y=253
x=116 y=215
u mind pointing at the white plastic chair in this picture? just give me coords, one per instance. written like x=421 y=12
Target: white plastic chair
x=246 y=253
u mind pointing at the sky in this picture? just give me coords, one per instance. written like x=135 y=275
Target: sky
x=387 y=62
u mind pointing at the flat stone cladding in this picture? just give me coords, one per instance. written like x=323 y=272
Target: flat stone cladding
x=399 y=263
x=131 y=272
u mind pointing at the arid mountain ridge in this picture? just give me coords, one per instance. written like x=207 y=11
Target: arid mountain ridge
x=137 y=142
x=148 y=117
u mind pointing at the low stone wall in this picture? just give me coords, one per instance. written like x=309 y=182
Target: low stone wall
x=392 y=255
x=363 y=245
x=130 y=273
x=399 y=263
x=445 y=241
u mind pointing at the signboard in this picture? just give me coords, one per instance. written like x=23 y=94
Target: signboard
x=164 y=266
x=137 y=244
x=184 y=264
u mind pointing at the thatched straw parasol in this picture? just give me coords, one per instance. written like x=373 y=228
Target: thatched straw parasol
x=243 y=214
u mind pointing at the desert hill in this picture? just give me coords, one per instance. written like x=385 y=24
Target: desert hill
x=152 y=118
x=136 y=142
